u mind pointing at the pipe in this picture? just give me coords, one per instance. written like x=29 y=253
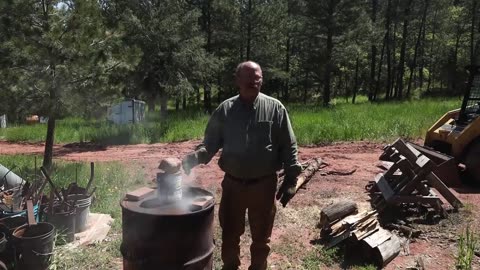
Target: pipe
x=9 y=179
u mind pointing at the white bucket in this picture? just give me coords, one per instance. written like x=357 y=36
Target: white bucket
x=169 y=187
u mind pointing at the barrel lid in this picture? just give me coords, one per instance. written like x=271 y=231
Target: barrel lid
x=193 y=200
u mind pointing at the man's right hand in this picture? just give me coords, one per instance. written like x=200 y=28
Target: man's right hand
x=190 y=161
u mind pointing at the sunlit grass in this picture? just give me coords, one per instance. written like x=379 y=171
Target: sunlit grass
x=313 y=124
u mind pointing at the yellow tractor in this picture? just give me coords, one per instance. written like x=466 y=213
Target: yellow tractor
x=453 y=142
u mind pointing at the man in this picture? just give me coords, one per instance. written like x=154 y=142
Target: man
x=257 y=139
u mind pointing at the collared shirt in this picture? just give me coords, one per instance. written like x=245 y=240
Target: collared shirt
x=257 y=139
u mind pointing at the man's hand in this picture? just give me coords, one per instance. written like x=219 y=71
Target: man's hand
x=189 y=161
x=286 y=192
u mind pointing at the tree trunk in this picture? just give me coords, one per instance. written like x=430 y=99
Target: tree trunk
x=417 y=45
x=207 y=103
x=286 y=95
x=177 y=103
x=197 y=90
x=163 y=103
x=151 y=104
x=393 y=51
x=431 y=68
x=373 y=53
x=329 y=64
x=355 y=85
x=305 y=87
x=472 y=32
x=388 y=44
x=48 y=153
x=421 y=75
x=184 y=101
x=379 y=73
x=401 y=62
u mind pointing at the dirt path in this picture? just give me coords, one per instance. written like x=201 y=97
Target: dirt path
x=295 y=225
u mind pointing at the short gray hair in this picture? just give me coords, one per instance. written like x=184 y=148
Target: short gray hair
x=243 y=65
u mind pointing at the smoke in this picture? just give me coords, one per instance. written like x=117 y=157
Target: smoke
x=175 y=193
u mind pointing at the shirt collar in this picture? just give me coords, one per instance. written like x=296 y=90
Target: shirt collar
x=253 y=105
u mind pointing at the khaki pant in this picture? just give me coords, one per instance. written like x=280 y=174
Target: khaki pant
x=259 y=199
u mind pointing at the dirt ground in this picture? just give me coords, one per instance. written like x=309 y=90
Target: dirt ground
x=295 y=225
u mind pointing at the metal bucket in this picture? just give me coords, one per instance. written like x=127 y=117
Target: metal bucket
x=167 y=236
x=34 y=246
x=169 y=187
x=64 y=222
x=82 y=205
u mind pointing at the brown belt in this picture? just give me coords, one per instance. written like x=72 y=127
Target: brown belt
x=247 y=181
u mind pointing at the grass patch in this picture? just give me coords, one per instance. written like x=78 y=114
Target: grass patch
x=367 y=121
x=113 y=180
x=320 y=257
x=313 y=124
x=467 y=244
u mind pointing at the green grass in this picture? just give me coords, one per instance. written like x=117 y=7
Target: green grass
x=312 y=124
x=467 y=244
x=112 y=180
x=366 y=121
x=319 y=257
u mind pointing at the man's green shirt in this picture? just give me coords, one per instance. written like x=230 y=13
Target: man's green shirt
x=257 y=139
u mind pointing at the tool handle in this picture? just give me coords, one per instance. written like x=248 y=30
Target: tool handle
x=51 y=183
x=30 y=214
x=92 y=175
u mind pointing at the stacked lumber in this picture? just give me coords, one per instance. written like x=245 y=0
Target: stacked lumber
x=409 y=180
x=341 y=221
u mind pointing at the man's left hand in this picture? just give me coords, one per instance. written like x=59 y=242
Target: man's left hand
x=286 y=192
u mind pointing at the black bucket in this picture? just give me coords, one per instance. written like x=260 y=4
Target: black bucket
x=82 y=205
x=7 y=227
x=64 y=222
x=34 y=246
x=10 y=224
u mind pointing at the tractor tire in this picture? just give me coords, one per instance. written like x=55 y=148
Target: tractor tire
x=472 y=163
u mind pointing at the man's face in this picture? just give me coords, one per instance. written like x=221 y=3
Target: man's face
x=249 y=81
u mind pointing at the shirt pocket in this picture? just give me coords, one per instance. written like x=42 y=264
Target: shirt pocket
x=263 y=134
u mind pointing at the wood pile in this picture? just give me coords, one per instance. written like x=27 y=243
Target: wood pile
x=341 y=221
x=409 y=180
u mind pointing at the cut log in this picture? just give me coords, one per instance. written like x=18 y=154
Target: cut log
x=377 y=238
x=388 y=250
x=308 y=172
x=337 y=211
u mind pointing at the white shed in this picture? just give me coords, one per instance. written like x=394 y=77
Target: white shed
x=3 y=121
x=128 y=111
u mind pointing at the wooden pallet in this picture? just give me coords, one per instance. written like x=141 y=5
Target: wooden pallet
x=409 y=179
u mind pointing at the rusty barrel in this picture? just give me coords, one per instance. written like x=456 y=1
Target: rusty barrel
x=159 y=235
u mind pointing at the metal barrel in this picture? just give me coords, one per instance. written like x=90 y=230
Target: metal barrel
x=173 y=236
